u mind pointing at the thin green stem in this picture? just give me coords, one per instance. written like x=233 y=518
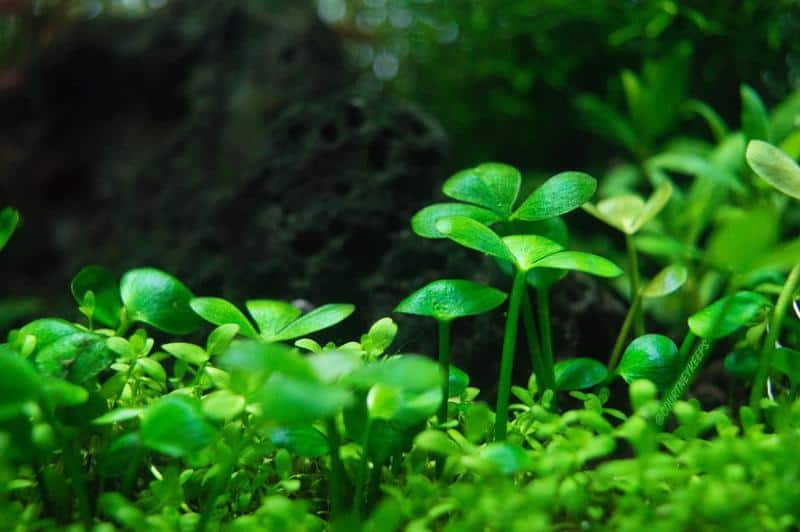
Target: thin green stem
x=544 y=380
x=444 y=365
x=361 y=477
x=768 y=350
x=507 y=358
x=622 y=337
x=686 y=345
x=683 y=381
x=336 y=474
x=633 y=274
x=543 y=309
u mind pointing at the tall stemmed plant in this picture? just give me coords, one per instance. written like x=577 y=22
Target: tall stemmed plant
x=783 y=173
x=629 y=213
x=524 y=253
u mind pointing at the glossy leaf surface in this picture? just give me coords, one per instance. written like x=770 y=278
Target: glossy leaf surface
x=558 y=195
x=271 y=315
x=491 y=185
x=447 y=299
x=158 y=299
x=424 y=221
x=316 y=320
x=667 y=281
x=474 y=235
x=728 y=315
x=221 y=312
x=579 y=374
x=774 y=167
x=653 y=357
x=580 y=261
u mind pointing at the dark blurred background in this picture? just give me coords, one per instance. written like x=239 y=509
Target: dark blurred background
x=267 y=148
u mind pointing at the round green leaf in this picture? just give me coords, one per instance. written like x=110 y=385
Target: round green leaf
x=474 y=235
x=288 y=401
x=175 y=425
x=103 y=284
x=491 y=185
x=653 y=357
x=728 y=315
x=330 y=366
x=221 y=312
x=158 y=299
x=581 y=262
x=76 y=357
x=190 y=353
x=458 y=380
x=508 y=458
x=424 y=221
x=300 y=441
x=223 y=405
x=46 y=331
x=528 y=249
x=667 y=281
x=558 y=195
x=579 y=374
x=271 y=315
x=9 y=218
x=316 y=320
x=774 y=167
x=448 y=299
x=379 y=337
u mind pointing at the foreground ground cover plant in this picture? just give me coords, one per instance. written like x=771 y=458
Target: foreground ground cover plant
x=162 y=410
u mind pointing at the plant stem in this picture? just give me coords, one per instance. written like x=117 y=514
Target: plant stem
x=444 y=365
x=336 y=475
x=545 y=381
x=686 y=345
x=633 y=274
x=543 y=308
x=684 y=380
x=507 y=358
x=362 y=471
x=622 y=337
x=765 y=362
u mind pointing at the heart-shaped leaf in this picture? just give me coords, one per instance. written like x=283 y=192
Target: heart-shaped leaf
x=579 y=374
x=558 y=195
x=158 y=299
x=774 y=167
x=667 y=281
x=221 y=312
x=9 y=218
x=581 y=262
x=474 y=235
x=448 y=299
x=175 y=425
x=423 y=222
x=491 y=185
x=289 y=401
x=316 y=320
x=528 y=249
x=653 y=357
x=271 y=315
x=728 y=315
x=106 y=293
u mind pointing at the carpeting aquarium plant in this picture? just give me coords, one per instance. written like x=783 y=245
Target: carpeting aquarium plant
x=162 y=410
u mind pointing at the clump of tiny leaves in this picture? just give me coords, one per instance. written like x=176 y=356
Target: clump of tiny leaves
x=163 y=410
